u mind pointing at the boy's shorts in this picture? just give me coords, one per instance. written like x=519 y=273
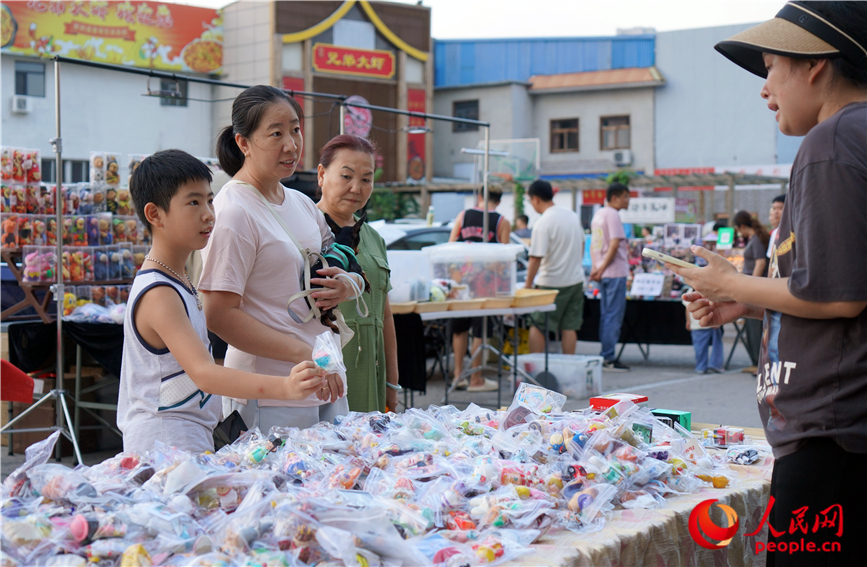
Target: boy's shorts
x=569 y=315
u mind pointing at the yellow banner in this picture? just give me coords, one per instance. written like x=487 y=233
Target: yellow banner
x=152 y=35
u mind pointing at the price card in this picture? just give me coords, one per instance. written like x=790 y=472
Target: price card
x=725 y=238
x=647 y=285
x=649 y=210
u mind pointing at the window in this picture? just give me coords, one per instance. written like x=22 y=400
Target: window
x=614 y=133
x=178 y=90
x=48 y=167
x=74 y=170
x=564 y=135
x=465 y=109
x=29 y=78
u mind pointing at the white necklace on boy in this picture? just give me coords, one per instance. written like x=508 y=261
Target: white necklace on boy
x=192 y=287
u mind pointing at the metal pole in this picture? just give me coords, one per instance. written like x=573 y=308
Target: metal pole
x=485 y=223
x=62 y=412
x=342 y=117
x=58 y=203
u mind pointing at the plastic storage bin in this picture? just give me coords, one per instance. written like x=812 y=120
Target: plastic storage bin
x=578 y=376
x=410 y=276
x=488 y=270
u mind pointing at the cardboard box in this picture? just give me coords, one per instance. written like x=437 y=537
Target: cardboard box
x=89 y=440
x=684 y=418
x=603 y=402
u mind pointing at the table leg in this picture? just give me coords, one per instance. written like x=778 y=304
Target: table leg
x=738 y=338
x=499 y=367
x=515 y=354
x=546 y=341
x=77 y=412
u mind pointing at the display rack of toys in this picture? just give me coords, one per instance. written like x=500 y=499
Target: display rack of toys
x=442 y=486
x=102 y=238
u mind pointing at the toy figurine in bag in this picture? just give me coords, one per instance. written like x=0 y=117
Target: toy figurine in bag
x=31 y=166
x=38 y=232
x=67 y=231
x=328 y=354
x=111 y=200
x=124 y=204
x=5 y=194
x=132 y=231
x=32 y=200
x=106 y=235
x=51 y=231
x=97 y=167
x=25 y=230
x=92 y=226
x=115 y=269
x=79 y=231
x=6 y=164
x=18 y=200
x=119 y=228
x=126 y=265
x=98 y=199
x=85 y=200
x=112 y=170
x=19 y=174
x=10 y=232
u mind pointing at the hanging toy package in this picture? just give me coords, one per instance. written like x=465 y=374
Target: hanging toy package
x=328 y=354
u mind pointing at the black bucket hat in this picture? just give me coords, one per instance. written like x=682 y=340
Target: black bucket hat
x=796 y=31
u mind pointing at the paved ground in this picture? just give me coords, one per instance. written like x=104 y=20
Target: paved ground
x=668 y=379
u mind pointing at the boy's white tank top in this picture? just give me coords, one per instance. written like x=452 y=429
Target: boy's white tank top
x=157 y=400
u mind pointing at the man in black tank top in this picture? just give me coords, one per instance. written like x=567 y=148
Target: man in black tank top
x=469 y=227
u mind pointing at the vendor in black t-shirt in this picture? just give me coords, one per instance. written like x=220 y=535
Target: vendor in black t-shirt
x=812 y=376
x=469 y=227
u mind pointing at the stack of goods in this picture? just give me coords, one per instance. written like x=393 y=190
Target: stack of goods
x=440 y=486
x=95 y=303
x=103 y=238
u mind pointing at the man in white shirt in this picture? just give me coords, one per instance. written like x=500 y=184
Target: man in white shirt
x=556 y=256
x=775 y=216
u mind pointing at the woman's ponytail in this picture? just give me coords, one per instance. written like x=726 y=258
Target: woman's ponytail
x=230 y=155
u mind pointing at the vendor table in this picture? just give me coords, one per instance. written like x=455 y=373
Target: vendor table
x=646 y=322
x=513 y=311
x=660 y=536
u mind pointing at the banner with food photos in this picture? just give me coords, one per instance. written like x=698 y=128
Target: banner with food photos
x=152 y=35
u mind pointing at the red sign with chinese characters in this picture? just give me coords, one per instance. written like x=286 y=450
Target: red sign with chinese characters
x=594 y=197
x=415 y=102
x=296 y=84
x=350 y=61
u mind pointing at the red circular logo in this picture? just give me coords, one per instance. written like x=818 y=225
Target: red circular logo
x=700 y=518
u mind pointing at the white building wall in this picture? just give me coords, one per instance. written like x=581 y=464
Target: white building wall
x=496 y=105
x=249 y=54
x=105 y=110
x=589 y=107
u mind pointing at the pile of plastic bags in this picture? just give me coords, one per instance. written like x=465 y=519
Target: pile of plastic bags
x=440 y=486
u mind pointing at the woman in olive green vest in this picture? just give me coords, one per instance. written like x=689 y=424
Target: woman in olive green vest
x=346 y=167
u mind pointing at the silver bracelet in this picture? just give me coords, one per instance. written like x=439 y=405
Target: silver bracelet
x=397 y=387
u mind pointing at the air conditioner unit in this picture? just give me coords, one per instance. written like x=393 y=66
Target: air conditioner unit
x=623 y=157
x=21 y=104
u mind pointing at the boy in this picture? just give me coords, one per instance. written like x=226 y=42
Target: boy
x=170 y=387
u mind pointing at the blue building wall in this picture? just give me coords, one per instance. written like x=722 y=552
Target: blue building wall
x=479 y=61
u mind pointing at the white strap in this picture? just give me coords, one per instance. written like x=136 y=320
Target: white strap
x=304 y=251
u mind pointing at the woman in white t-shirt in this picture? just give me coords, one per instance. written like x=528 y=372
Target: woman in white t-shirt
x=252 y=267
